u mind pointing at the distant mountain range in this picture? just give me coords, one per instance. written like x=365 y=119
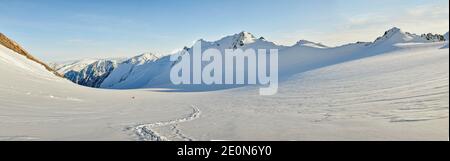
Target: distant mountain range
x=149 y=70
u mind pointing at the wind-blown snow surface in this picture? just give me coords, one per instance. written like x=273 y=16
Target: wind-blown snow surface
x=395 y=93
x=36 y=105
x=399 y=95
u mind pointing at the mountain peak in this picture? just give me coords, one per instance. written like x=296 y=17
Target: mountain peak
x=235 y=41
x=246 y=35
x=243 y=38
x=142 y=58
x=393 y=32
x=148 y=56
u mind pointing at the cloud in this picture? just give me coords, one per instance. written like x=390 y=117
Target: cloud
x=420 y=19
x=429 y=11
x=368 y=26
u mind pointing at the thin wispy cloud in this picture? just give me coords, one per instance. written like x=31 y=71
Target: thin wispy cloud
x=367 y=26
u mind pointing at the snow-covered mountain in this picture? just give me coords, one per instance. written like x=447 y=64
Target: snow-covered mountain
x=148 y=70
x=396 y=35
x=133 y=70
x=242 y=40
x=155 y=73
x=87 y=72
x=72 y=65
x=93 y=74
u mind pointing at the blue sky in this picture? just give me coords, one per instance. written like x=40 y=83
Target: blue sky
x=55 y=30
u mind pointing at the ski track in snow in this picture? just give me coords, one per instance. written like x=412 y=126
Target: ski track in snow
x=146 y=132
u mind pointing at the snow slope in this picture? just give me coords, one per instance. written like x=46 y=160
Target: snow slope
x=37 y=105
x=12 y=45
x=361 y=91
x=398 y=95
x=304 y=55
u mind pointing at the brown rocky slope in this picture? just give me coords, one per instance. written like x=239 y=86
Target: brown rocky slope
x=5 y=41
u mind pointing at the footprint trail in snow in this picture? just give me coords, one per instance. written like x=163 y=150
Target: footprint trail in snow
x=146 y=132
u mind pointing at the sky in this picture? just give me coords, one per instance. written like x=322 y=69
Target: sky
x=56 y=30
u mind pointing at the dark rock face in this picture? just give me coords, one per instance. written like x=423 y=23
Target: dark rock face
x=433 y=37
x=93 y=75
